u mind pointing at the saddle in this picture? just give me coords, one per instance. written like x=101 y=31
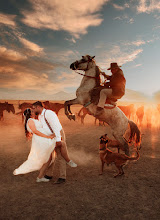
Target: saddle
x=95 y=95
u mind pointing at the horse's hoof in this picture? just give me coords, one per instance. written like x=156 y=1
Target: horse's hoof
x=69 y=117
x=74 y=117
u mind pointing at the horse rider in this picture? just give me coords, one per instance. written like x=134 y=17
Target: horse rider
x=115 y=88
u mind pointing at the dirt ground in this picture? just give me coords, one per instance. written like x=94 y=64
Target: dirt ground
x=85 y=195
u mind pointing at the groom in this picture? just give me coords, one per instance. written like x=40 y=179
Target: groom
x=52 y=125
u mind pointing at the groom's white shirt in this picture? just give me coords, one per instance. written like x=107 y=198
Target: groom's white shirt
x=53 y=121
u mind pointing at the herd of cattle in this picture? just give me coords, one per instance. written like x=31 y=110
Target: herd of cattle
x=10 y=108
x=130 y=111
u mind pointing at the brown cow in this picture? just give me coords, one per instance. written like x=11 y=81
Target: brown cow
x=56 y=107
x=6 y=106
x=128 y=110
x=148 y=114
x=140 y=114
x=22 y=107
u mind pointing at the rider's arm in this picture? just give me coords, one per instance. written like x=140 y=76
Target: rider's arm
x=32 y=126
x=106 y=76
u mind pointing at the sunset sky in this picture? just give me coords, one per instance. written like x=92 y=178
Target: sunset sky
x=39 y=39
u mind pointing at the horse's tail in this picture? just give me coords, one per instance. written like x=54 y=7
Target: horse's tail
x=134 y=132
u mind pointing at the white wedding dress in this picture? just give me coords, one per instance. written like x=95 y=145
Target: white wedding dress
x=41 y=149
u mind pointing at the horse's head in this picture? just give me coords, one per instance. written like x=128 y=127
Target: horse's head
x=11 y=108
x=83 y=64
x=20 y=106
x=46 y=104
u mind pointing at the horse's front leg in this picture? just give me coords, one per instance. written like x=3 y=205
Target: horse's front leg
x=67 y=105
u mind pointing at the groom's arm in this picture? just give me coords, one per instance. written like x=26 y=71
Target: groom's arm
x=55 y=124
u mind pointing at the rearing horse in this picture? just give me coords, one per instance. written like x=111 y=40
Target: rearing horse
x=114 y=117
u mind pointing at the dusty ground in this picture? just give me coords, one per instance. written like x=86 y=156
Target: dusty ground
x=85 y=195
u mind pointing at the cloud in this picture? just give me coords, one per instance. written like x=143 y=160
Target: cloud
x=156 y=27
x=7 y=19
x=72 y=40
x=137 y=65
x=12 y=36
x=37 y=82
x=121 y=8
x=135 y=43
x=16 y=60
x=148 y=6
x=138 y=43
x=64 y=56
x=21 y=72
x=30 y=45
x=124 y=18
x=157 y=17
x=128 y=57
x=69 y=15
x=120 y=55
x=131 y=21
x=141 y=6
x=11 y=55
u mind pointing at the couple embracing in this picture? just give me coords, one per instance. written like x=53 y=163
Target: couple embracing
x=47 y=137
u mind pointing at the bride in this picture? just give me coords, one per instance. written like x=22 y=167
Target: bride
x=42 y=147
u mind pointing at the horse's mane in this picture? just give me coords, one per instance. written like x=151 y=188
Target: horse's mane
x=97 y=76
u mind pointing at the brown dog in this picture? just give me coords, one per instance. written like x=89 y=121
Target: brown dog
x=108 y=157
x=113 y=143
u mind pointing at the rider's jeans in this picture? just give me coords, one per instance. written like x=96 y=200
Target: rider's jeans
x=104 y=94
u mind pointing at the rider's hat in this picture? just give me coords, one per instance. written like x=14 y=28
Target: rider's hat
x=113 y=66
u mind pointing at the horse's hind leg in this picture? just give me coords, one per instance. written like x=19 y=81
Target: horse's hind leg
x=123 y=143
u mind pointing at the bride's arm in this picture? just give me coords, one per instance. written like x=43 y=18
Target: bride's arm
x=35 y=131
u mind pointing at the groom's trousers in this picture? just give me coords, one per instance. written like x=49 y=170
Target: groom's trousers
x=60 y=161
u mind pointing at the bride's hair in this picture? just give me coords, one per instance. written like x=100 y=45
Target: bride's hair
x=27 y=114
